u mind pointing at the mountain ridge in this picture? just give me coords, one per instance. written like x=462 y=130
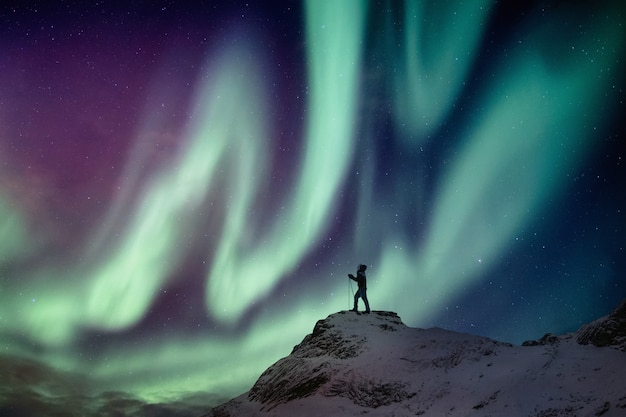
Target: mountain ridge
x=376 y=365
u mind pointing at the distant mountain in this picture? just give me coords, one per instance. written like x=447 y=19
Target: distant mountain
x=374 y=365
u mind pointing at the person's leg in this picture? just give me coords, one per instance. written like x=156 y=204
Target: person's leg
x=367 y=303
x=356 y=299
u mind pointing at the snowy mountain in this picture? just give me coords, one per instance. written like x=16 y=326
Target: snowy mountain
x=374 y=365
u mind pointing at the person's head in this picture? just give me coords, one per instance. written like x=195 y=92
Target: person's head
x=362 y=268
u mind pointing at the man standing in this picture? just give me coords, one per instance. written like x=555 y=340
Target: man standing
x=362 y=291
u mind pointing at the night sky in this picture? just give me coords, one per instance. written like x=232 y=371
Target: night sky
x=184 y=186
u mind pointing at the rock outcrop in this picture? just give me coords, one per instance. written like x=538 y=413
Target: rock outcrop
x=608 y=331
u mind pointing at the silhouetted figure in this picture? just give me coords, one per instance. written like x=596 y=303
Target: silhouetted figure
x=362 y=291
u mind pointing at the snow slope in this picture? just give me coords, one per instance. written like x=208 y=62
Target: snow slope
x=374 y=365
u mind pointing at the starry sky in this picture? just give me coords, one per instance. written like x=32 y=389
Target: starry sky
x=184 y=186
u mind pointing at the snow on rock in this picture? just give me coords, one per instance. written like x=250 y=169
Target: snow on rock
x=374 y=365
x=607 y=331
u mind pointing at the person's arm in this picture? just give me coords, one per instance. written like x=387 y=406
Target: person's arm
x=352 y=277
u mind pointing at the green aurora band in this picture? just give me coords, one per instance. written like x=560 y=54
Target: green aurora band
x=519 y=149
x=334 y=62
x=535 y=130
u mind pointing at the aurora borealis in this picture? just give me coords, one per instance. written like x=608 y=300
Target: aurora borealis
x=184 y=186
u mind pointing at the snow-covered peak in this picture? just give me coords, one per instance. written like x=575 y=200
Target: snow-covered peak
x=375 y=365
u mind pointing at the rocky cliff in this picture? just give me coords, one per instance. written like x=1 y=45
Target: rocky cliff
x=607 y=331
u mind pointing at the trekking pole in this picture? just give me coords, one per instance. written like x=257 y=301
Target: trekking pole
x=349 y=290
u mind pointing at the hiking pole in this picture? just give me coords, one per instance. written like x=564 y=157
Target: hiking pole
x=350 y=292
